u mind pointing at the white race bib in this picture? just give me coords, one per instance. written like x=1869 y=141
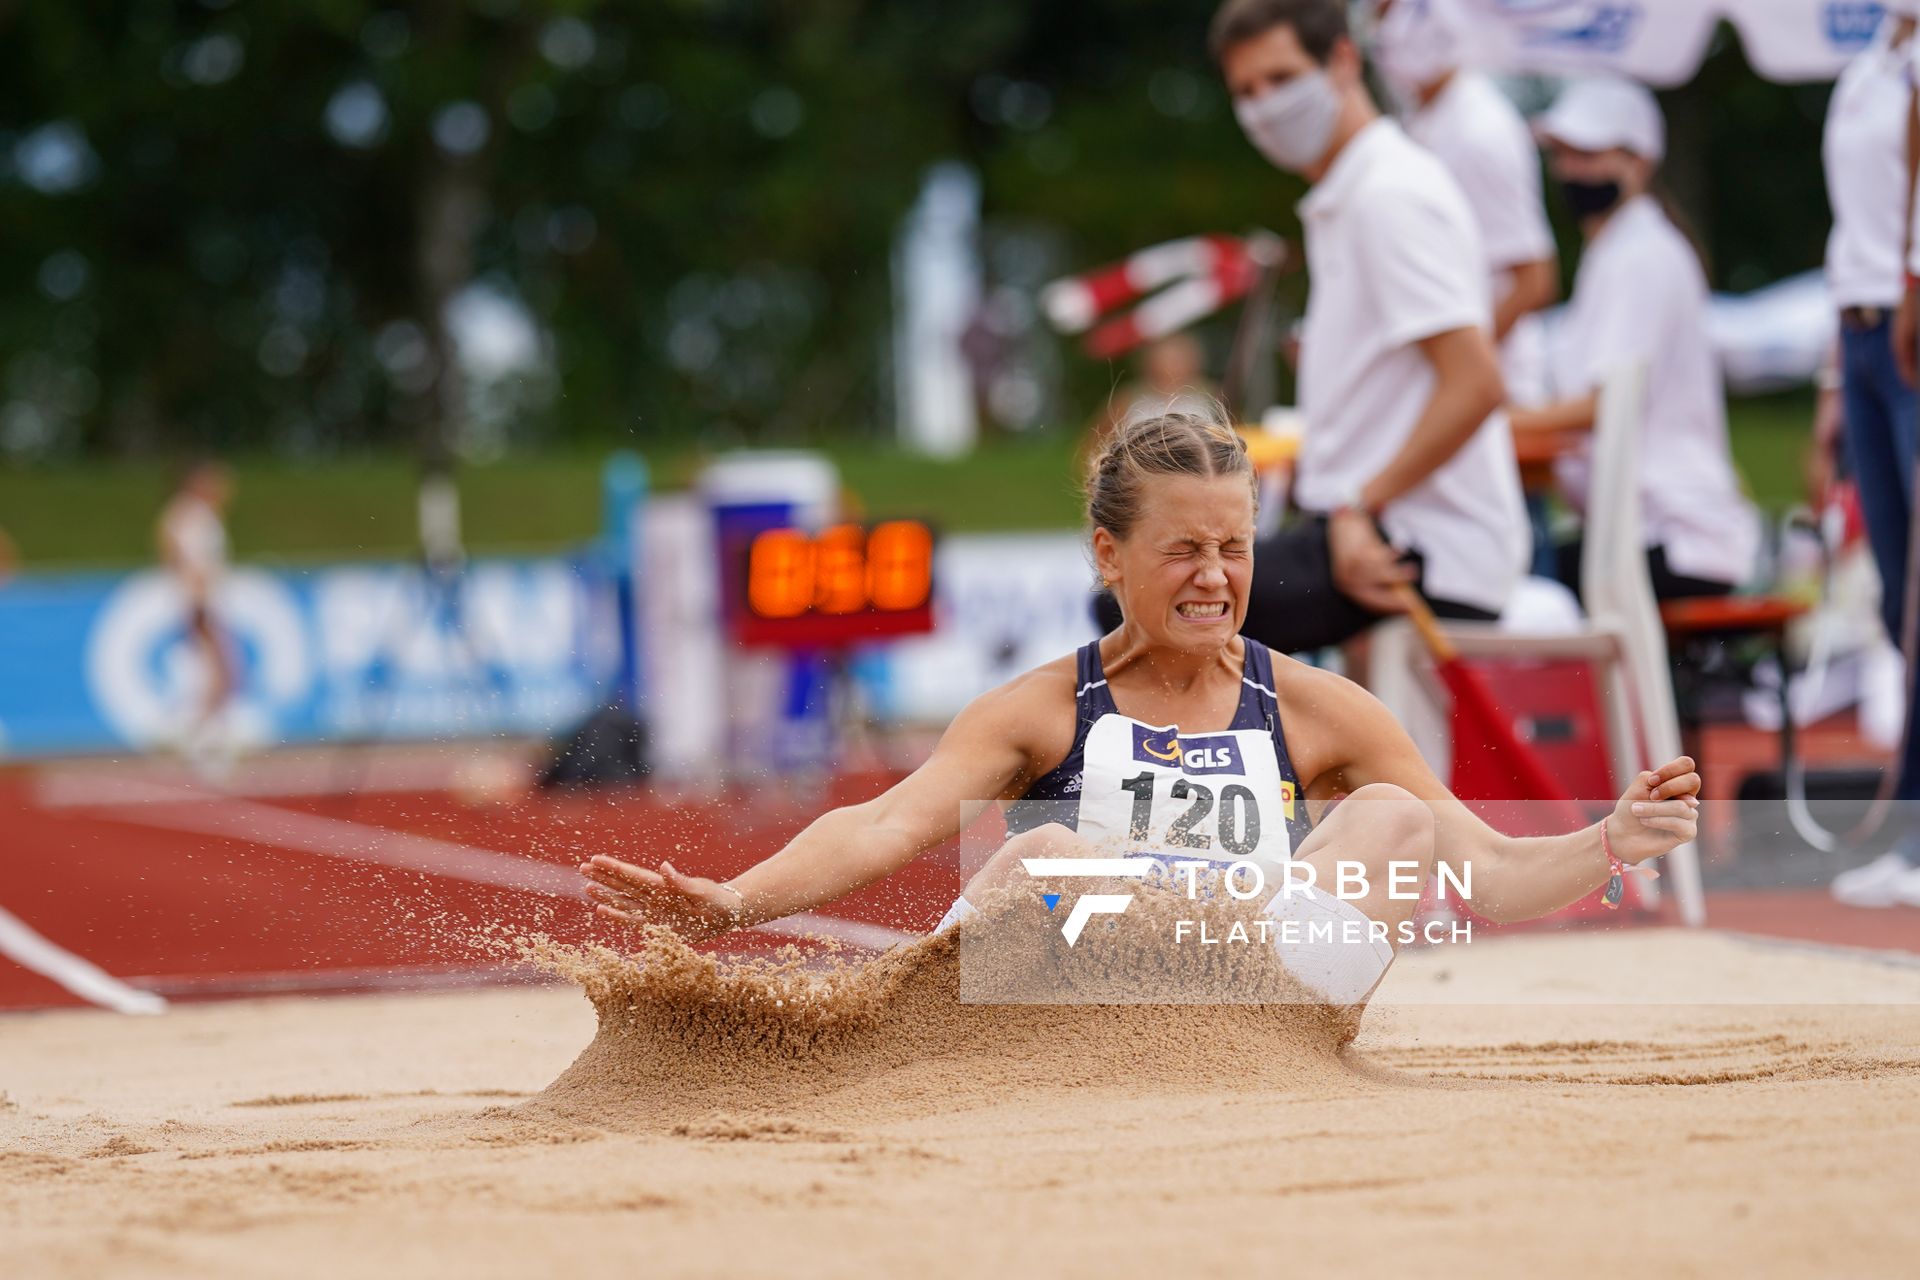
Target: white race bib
x=1215 y=797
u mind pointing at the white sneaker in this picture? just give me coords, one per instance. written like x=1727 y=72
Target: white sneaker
x=1878 y=884
x=1906 y=890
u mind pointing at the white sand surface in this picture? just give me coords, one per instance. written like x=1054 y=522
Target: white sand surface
x=1676 y=1104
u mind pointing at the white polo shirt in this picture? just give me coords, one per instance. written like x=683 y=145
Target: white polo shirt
x=1486 y=145
x=1640 y=297
x=1394 y=258
x=1912 y=56
x=1864 y=148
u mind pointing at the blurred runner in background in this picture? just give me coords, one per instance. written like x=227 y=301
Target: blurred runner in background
x=1640 y=298
x=1866 y=148
x=193 y=549
x=1407 y=469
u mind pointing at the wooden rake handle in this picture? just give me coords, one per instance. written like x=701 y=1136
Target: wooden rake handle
x=1427 y=625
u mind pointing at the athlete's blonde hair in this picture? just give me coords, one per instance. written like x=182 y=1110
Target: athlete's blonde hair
x=1167 y=444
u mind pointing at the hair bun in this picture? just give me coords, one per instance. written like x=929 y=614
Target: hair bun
x=1179 y=443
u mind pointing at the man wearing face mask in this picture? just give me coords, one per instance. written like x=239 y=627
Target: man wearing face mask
x=1640 y=298
x=1463 y=118
x=1399 y=381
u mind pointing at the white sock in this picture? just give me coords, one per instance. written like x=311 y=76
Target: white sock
x=959 y=911
x=1328 y=944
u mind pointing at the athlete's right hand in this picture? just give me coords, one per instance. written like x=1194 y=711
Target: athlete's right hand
x=693 y=907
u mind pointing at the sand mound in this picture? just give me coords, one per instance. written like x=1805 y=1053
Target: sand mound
x=688 y=1041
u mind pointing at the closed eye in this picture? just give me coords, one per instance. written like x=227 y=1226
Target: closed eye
x=1187 y=550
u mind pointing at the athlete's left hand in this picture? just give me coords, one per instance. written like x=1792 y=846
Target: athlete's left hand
x=1658 y=813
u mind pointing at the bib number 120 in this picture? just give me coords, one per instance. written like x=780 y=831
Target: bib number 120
x=1239 y=823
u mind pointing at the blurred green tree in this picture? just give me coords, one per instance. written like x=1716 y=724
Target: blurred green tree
x=244 y=226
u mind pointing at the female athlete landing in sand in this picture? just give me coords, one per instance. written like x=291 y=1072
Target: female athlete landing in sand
x=1258 y=743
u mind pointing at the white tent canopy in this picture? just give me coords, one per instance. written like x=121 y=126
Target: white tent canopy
x=1662 y=42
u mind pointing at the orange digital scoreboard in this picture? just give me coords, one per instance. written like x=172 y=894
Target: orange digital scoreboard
x=790 y=588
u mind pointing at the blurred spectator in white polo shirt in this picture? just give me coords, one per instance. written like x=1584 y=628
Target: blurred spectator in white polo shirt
x=1640 y=298
x=1865 y=149
x=1407 y=469
x=1461 y=116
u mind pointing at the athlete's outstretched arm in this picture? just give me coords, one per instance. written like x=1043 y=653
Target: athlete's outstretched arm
x=1513 y=877
x=980 y=756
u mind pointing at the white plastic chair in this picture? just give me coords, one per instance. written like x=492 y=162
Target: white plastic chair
x=1618 y=592
x=1622 y=636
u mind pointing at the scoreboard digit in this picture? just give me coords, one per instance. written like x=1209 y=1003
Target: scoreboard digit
x=789 y=588
x=899 y=565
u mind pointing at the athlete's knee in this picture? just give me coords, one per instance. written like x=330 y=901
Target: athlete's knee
x=1051 y=840
x=1396 y=820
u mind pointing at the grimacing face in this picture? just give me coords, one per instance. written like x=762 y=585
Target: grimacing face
x=1181 y=575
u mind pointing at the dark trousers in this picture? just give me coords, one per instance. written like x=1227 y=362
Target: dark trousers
x=1667 y=585
x=1878 y=408
x=1292 y=604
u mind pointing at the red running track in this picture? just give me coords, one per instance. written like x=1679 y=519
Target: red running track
x=185 y=892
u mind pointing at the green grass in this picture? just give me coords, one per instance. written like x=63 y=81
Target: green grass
x=101 y=514
x=1770 y=437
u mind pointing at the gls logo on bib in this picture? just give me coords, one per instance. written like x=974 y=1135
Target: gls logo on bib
x=1216 y=754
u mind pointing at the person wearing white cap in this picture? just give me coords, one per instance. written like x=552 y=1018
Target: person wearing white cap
x=1640 y=298
x=1461 y=116
x=1865 y=150
x=1399 y=380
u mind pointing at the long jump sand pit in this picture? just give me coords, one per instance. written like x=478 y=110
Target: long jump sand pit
x=1680 y=1103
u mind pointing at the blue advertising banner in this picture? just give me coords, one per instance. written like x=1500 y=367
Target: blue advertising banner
x=100 y=662
x=1659 y=41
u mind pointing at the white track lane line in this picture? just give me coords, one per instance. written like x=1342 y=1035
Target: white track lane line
x=77 y=974
x=96 y=786
x=356 y=842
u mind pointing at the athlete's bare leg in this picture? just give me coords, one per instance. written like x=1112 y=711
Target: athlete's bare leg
x=1050 y=841
x=1375 y=826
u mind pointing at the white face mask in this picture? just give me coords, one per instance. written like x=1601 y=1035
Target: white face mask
x=1414 y=46
x=1292 y=123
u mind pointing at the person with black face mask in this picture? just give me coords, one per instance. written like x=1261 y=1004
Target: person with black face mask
x=1640 y=298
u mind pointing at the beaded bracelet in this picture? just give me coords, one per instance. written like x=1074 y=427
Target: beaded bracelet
x=1616 y=872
